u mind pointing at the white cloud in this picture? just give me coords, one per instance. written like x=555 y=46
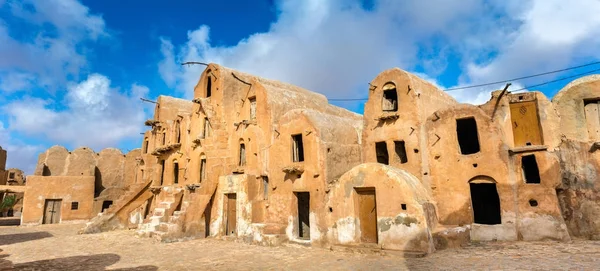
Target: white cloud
x=54 y=54
x=16 y=81
x=94 y=114
x=336 y=47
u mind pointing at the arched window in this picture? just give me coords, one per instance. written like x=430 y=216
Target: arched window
x=390 y=98
x=208 y=85
x=242 y=155
x=175 y=172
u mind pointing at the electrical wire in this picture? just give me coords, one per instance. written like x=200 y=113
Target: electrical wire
x=505 y=81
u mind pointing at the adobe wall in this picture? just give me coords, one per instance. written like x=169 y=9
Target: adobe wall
x=417 y=99
x=451 y=172
x=67 y=188
x=580 y=160
x=398 y=228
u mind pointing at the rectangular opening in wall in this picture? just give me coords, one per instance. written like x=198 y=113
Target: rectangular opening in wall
x=400 y=148
x=252 y=108
x=231 y=214
x=486 y=203
x=74 y=205
x=175 y=172
x=178 y=131
x=242 y=157
x=145 y=148
x=592 y=116
x=468 y=138
x=208 y=86
x=202 y=170
x=11 y=175
x=390 y=100
x=206 y=129
x=164 y=138
x=531 y=172
x=106 y=204
x=162 y=171
x=265 y=183
x=382 y=153
x=297 y=148
x=303 y=215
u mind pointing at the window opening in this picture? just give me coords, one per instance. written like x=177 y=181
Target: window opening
x=252 y=108
x=202 y=170
x=242 y=157
x=390 y=98
x=265 y=181
x=175 y=172
x=297 y=148
x=382 y=153
x=208 y=86
x=486 y=203
x=400 y=148
x=468 y=138
x=74 y=205
x=531 y=172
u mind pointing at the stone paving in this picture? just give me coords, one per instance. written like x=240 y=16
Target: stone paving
x=59 y=247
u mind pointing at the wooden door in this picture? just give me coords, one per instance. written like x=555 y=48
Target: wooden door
x=367 y=215
x=303 y=215
x=592 y=116
x=231 y=221
x=525 y=124
x=52 y=211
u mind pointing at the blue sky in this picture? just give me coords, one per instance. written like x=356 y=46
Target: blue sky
x=72 y=72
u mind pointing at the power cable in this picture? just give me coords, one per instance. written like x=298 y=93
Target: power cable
x=505 y=81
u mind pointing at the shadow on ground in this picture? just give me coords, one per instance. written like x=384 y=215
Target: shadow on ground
x=91 y=262
x=9 y=239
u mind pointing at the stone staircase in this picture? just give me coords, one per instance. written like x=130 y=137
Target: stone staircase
x=109 y=219
x=167 y=217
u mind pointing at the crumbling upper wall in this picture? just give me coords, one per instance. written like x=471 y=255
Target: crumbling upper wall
x=52 y=162
x=15 y=176
x=2 y=159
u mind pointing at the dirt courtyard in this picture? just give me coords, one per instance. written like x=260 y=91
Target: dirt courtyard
x=59 y=247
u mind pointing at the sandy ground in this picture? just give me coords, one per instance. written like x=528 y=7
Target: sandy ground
x=59 y=247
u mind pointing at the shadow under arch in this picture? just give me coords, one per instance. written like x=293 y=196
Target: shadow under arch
x=485 y=201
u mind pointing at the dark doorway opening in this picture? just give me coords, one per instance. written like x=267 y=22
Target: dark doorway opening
x=382 y=153
x=400 y=148
x=106 y=204
x=303 y=214
x=466 y=132
x=46 y=171
x=531 y=172
x=486 y=203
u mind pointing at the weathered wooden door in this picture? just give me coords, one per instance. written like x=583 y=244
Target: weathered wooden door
x=526 y=124
x=231 y=219
x=52 y=211
x=592 y=115
x=367 y=215
x=303 y=215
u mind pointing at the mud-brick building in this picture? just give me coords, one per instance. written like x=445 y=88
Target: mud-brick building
x=3 y=173
x=578 y=106
x=77 y=185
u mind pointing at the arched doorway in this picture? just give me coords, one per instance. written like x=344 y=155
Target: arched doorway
x=485 y=200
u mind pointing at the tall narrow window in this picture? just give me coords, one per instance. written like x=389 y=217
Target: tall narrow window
x=176 y=172
x=164 y=138
x=297 y=148
x=592 y=116
x=145 y=148
x=242 y=155
x=178 y=131
x=252 y=108
x=265 y=182
x=382 y=153
x=466 y=132
x=390 y=98
x=208 y=86
x=531 y=172
x=400 y=148
x=202 y=170
x=162 y=171
x=206 y=130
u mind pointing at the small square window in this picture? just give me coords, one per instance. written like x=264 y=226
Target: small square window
x=403 y=205
x=74 y=205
